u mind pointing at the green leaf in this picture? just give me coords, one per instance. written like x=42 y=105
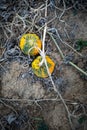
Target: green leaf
x=42 y=126
x=80 y=44
x=82 y=119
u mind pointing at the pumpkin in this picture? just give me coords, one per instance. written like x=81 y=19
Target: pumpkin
x=29 y=44
x=41 y=71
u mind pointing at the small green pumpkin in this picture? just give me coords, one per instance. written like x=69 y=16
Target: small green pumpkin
x=29 y=44
x=41 y=71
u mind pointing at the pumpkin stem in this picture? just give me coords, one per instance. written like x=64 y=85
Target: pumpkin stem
x=41 y=63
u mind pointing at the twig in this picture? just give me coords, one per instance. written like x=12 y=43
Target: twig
x=75 y=66
x=30 y=100
x=8 y=106
x=44 y=36
x=45 y=28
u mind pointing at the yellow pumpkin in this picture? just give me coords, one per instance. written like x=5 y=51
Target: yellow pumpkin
x=29 y=44
x=41 y=71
